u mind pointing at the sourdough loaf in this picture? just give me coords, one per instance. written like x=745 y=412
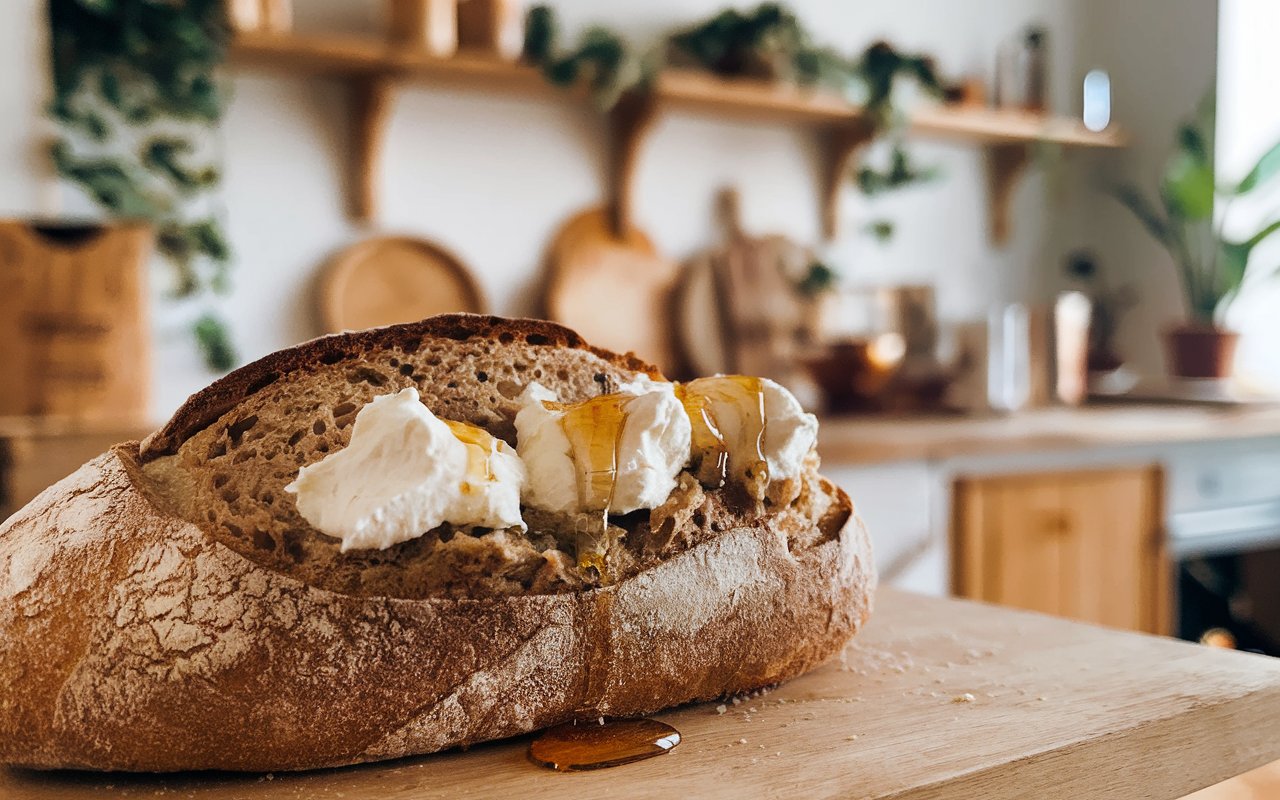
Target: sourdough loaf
x=165 y=607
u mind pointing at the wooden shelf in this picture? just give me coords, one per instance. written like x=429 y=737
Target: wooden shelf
x=696 y=91
x=376 y=70
x=324 y=55
x=362 y=57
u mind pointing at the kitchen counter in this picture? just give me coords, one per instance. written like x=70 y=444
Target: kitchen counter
x=871 y=440
x=936 y=698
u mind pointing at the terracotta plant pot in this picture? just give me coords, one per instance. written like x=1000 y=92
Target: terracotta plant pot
x=1200 y=351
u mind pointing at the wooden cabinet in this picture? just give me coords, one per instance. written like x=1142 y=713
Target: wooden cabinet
x=1086 y=545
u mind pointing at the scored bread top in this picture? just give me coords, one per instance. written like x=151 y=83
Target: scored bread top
x=537 y=339
x=222 y=463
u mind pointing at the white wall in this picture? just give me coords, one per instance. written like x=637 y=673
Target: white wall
x=491 y=177
x=23 y=87
x=1162 y=58
x=1248 y=124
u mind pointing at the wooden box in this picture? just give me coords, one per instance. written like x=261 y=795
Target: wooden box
x=74 y=328
x=491 y=27
x=428 y=25
x=260 y=16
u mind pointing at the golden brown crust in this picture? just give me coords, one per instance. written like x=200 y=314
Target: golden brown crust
x=207 y=405
x=132 y=640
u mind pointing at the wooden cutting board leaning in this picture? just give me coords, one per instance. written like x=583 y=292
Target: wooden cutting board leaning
x=390 y=279
x=613 y=290
x=736 y=307
x=935 y=699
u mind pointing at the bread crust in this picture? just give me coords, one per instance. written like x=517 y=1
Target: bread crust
x=132 y=640
x=207 y=405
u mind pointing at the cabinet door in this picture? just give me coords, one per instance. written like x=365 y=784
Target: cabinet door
x=1084 y=545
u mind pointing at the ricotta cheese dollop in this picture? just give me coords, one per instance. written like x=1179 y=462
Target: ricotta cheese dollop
x=749 y=430
x=405 y=472
x=616 y=453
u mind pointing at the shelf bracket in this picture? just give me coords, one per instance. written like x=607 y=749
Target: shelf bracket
x=372 y=99
x=629 y=123
x=839 y=149
x=1005 y=164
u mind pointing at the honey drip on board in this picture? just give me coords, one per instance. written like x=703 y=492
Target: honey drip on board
x=594 y=430
x=716 y=459
x=568 y=748
x=481 y=446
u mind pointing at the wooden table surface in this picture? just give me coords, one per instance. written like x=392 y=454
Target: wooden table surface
x=935 y=699
x=875 y=439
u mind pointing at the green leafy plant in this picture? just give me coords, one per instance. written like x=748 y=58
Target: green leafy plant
x=135 y=95
x=602 y=58
x=818 y=278
x=767 y=42
x=899 y=173
x=881 y=230
x=1211 y=267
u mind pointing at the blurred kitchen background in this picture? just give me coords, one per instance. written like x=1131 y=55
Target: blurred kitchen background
x=1016 y=253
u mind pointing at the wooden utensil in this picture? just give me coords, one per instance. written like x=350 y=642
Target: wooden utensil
x=74 y=329
x=614 y=290
x=391 y=279
x=260 y=16
x=430 y=25
x=935 y=699
x=491 y=27
x=737 y=308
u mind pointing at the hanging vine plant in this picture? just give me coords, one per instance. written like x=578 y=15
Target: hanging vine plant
x=767 y=42
x=136 y=98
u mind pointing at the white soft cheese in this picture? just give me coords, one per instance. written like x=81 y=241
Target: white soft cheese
x=789 y=432
x=403 y=473
x=652 y=450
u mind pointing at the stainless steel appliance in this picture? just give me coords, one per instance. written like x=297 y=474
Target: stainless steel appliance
x=1224 y=539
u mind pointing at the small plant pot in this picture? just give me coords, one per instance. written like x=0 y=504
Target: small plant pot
x=1200 y=351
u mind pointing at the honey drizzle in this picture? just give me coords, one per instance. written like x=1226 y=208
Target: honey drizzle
x=594 y=430
x=481 y=447
x=713 y=454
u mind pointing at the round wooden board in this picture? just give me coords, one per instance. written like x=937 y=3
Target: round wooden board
x=392 y=279
x=614 y=291
x=743 y=276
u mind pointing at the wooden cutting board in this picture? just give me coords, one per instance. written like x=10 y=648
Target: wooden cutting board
x=935 y=699
x=390 y=279
x=736 y=308
x=613 y=290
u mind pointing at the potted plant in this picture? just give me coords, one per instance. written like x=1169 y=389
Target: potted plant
x=1190 y=223
x=138 y=100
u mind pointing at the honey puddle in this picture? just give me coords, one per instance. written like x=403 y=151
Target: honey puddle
x=570 y=747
